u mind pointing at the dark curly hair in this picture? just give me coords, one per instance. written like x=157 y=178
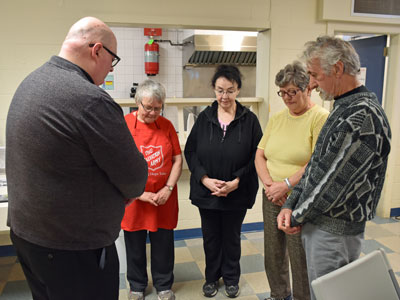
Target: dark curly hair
x=229 y=72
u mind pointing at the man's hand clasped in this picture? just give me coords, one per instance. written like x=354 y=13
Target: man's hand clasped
x=283 y=220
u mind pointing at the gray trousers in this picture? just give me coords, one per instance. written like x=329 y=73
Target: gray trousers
x=278 y=248
x=327 y=252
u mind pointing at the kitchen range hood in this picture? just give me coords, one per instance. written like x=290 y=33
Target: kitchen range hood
x=206 y=50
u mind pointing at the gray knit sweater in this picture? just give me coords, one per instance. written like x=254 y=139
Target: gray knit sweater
x=341 y=186
x=70 y=160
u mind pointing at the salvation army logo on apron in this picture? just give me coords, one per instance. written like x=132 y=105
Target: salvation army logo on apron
x=153 y=155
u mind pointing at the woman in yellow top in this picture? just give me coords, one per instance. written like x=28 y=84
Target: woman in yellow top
x=281 y=158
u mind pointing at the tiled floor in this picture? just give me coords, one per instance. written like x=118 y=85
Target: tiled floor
x=189 y=265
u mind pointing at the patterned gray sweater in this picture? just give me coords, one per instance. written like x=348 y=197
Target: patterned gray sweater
x=342 y=183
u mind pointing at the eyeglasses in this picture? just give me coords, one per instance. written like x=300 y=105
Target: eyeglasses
x=116 y=58
x=228 y=92
x=290 y=93
x=149 y=109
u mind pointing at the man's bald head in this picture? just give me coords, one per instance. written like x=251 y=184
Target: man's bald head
x=88 y=30
x=94 y=60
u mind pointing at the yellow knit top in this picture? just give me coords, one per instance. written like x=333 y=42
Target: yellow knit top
x=289 y=141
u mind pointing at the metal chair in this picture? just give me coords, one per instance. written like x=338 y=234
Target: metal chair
x=368 y=278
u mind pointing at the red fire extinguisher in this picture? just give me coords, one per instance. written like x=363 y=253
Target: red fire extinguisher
x=151 y=55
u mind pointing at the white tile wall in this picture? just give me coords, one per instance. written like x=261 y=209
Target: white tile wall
x=131 y=43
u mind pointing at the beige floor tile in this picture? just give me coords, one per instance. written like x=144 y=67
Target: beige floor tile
x=251 y=297
x=202 y=266
x=392 y=242
x=394 y=260
x=183 y=254
x=258 y=282
x=5 y=238
x=123 y=295
x=197 y=252
x=16 y=273
x=392 y=227
x=370 y=223
x=150 y=277
x=190 y=290
x=369 y=227
x=148 y=253
x=194 y=242
x=7 y=260
x=248 y=248
x=245 y=288
x=374 y=232
x=5 y=271
x=2 y=285
x=259 y=244
x=254 y=235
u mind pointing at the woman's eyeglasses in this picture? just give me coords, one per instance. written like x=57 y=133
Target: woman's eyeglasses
x=290 y=93
x=222 y=92
x=149 y=109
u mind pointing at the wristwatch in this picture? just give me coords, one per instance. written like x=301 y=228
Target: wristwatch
x=170 y=187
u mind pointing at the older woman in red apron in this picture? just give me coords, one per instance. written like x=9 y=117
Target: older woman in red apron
x=155 y=212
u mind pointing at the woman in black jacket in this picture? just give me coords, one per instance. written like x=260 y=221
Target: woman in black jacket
x=220 y=153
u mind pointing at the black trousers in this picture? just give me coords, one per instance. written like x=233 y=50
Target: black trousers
x=221 y=240
x=64 y=275
x=162 y=255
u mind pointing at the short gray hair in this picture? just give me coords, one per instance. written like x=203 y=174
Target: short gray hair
x=294 y=73
x=150 y=89
x=329 y=50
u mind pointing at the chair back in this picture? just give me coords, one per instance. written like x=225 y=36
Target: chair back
x=369 y=277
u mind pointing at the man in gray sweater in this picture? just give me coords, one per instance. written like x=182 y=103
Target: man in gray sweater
x=342 y=183
x=72 y=166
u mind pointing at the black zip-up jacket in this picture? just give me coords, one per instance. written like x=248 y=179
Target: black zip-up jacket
x=209 y=152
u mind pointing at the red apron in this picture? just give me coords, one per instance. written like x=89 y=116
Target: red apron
x=156 y=148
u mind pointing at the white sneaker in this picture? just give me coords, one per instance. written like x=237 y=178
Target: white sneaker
x=135 y=295
x=166 y=295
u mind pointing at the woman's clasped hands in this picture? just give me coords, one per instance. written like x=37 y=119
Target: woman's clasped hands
x=218 y=187
x=156 y=199
x=276 y=192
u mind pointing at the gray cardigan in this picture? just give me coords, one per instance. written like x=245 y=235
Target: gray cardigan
x=70 y=160
x=342 y=184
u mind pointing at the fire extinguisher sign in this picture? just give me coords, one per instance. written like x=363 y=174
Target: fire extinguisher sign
x=153 y=31
x=108 y=83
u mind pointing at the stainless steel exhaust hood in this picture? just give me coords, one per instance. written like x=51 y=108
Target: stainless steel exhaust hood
x=206 y=50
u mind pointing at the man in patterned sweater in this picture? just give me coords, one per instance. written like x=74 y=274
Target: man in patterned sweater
x=341 y=186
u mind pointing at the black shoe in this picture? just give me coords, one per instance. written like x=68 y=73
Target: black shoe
x=210 y=289
x=232 y=291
